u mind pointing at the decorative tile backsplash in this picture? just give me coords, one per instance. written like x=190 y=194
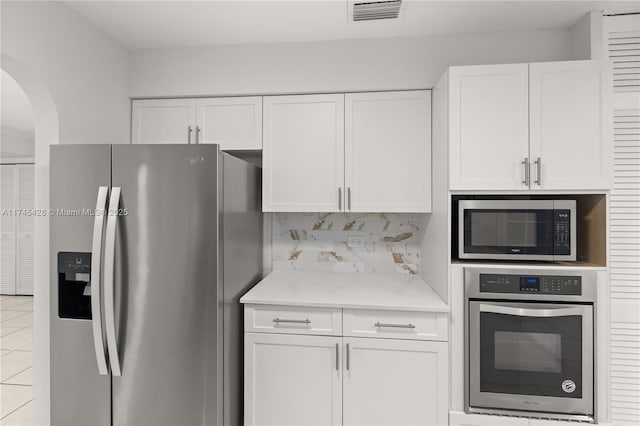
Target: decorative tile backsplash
x=318 y=242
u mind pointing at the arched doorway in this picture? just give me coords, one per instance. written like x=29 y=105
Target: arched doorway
x=46 y=132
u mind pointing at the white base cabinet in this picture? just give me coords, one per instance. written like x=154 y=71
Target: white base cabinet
x=292 y=380
x=395 y=382
x=302 y=379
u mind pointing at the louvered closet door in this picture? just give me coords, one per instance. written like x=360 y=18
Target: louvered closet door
x=623 y=34
x=7 y=230
x=25 y=227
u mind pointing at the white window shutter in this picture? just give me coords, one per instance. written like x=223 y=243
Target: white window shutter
x=623 y=37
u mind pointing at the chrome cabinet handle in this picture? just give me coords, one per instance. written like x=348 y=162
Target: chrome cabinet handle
x=197 y=134
x=524 y=312
x=349 y=198
x=339 y=199
x=189 y=131
x=109 y=281
x=337 y=357
x=378 y=324
x=96 y=287
x=304 y=321
x=526 y=164
x=538 y=164
x=348 y=358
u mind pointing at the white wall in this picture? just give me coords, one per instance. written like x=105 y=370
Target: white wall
x=77 y=80
x=86 y=72
x=401 y=63
x=586 y=37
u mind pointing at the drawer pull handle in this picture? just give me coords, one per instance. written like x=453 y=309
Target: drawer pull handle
x=304 y=321
x=395 y=325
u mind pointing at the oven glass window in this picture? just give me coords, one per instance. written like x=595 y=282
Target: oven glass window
x=531 y=355
x=541 y=352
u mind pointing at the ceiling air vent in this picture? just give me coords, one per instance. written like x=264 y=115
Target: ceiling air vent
x=374 y=10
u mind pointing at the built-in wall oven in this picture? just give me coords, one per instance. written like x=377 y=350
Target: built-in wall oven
x=530 y=342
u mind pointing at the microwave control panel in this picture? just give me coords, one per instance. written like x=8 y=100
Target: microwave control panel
x=562 y=232
x=531 y=284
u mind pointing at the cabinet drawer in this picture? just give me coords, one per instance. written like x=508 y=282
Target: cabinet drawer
x=292 y=320
x=395 y=324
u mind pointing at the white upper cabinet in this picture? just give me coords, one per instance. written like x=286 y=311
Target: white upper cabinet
x=163 y=121
x=388 y=151
x=488 y=127
x=303 y=153
x=568 y=136
x=528 y=126
x=360 y=152
x=233 y=123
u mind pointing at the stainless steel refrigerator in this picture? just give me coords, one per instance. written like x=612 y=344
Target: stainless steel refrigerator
x=151 y=248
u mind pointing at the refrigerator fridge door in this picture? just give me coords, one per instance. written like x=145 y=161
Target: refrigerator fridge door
x=166 y=286
x=80 y=394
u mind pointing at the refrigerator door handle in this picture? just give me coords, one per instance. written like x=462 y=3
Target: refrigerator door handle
x=96 y=287
x=109 y=281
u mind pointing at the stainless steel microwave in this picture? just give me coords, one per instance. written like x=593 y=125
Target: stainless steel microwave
x=517 y=229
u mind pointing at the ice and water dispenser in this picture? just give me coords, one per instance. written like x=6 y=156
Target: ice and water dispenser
x=74 y=285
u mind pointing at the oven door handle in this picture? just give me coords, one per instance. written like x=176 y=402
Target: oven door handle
x=526 y=312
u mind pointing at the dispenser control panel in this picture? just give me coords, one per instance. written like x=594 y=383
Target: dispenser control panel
x=74 y=285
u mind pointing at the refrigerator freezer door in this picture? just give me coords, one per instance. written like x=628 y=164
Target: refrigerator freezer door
x=79 y=395
x=166 y=277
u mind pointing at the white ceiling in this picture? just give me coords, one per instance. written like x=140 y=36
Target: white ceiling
x=162 y=24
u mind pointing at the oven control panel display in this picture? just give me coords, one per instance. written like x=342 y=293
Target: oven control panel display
x=541 y=284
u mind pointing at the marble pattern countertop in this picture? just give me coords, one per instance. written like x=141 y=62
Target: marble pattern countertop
x=346 y=290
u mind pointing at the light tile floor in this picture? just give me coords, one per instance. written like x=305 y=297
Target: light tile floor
x=16 y=364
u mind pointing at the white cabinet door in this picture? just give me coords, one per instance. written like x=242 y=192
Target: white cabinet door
x=233 y=123
x=388 y=151
x=489 y=127
x=303 y=153
x=568 y=135
x=395 y=382
x=292 y=380
x=8 y=189
x=163 y=121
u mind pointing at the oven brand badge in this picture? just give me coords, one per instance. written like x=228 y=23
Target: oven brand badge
x=568 y=386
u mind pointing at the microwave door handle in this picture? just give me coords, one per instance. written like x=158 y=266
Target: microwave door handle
x=527 y=312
